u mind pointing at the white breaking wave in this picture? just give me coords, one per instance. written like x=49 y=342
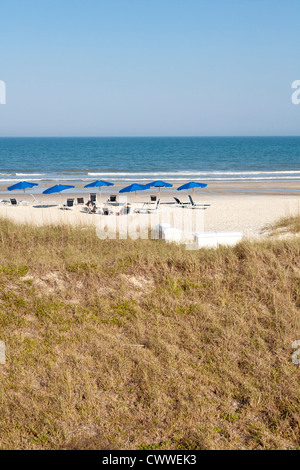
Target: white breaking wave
x=197 y=173
x=45 y=180
x=14 y=180
x=211 y=179
x=147 y=176
x=30 y=174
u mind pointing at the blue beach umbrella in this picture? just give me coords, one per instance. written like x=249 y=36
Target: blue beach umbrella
x=192 y=185
x=98 y=184
x=22 y=185
x=134 y=188
x=58 y=188
x=160 y=184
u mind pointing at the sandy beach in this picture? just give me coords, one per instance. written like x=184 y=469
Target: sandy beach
x=149 y=228
x=233 y=207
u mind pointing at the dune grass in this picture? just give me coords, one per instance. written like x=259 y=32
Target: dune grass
x=142 y=345
x=286 y=225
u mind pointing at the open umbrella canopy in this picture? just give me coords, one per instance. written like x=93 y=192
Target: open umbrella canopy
x=57 y=189
x=160 y=184
x=134 y=187
x=192 y=185
x=98 y=184
x=22 y=185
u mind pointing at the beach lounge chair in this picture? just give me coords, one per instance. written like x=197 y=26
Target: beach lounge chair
x=4 y=202
x=69 y=205
x=153 y=209
x=39 y=204
x=198 y=206
x=34 y=200
x=93 y=197
x=181 y=204
x=112 y=199
x=14 y=202
x=148 y=210
x=140 y=209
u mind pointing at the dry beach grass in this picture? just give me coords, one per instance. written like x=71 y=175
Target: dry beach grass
x=141 y=345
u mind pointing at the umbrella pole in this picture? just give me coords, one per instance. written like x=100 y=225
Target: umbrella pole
x=100 y=197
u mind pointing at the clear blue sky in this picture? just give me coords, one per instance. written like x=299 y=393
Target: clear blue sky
x=149 y=67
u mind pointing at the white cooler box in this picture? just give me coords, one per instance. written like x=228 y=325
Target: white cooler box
x=169 y=233
x=214 y=239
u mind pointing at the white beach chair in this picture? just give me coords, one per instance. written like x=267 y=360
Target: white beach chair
x=39 y=204
x=148 y=210
x=34 y=200
x=198 y=206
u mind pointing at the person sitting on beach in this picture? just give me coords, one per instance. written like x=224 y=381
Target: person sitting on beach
x=91 y=206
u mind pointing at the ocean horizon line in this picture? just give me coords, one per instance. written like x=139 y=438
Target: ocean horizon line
x=154 y=136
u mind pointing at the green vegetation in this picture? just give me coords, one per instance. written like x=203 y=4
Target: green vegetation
x=287 y=225
x=142 y=345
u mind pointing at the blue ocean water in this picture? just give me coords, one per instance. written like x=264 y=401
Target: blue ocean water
x=146 y=159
